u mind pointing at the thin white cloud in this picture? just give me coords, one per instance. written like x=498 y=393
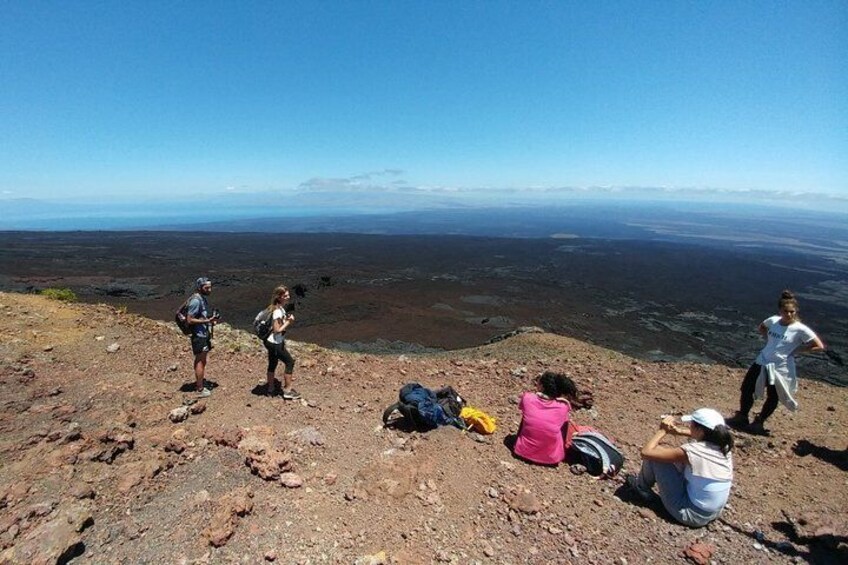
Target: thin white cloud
x=372 y=181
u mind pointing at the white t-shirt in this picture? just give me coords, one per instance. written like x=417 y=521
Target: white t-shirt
x=782 y=341
x=279 y=314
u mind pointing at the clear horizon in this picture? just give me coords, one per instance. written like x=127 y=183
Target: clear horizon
x=149 y=100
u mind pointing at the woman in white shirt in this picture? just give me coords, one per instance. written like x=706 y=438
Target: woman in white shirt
x=275 y=343
x=693 y=479
x=774 y=368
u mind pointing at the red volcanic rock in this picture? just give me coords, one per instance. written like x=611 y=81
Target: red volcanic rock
x=525 y=502
x=177 y=442
x=111 y=442
x=47 y=542
x=263 y=458
x=290 y=480
x=229 y=437
x=133 y=474
x=699 y=552
x=230 y=508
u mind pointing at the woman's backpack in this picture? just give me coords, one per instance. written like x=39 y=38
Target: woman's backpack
x=596 y=452
x=263 y=324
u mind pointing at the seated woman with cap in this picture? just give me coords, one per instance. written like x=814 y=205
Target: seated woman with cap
x=693 y=479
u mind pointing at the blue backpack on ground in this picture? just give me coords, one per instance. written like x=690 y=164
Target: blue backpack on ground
x=596 y=452
x=426 y=409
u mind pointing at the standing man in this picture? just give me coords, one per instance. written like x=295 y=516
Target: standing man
x=201 y=321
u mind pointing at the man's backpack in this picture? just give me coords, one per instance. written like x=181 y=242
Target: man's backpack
x=596 y=452
x=425 y=409
x=263 y=324
x=181 y=317
x=450 y=401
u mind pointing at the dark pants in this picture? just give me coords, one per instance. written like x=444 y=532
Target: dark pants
x=277 y=352
x=749 y=386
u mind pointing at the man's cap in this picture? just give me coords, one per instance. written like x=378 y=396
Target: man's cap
x=201 y=282
x=707 y=417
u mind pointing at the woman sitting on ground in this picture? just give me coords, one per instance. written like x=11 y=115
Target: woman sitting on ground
x=693 y=479
x=543 y=415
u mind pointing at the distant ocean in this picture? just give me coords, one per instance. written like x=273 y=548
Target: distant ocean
x=394 y=213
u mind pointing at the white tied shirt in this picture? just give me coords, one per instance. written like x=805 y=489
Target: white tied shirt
x=782 y=342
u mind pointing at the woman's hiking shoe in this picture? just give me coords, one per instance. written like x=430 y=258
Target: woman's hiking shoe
x=643 y=494
x=738 y=421
x=758 y=429
x=291 y=394
x=204 y=393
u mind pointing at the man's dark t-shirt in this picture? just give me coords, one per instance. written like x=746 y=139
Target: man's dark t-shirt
x=198 y=308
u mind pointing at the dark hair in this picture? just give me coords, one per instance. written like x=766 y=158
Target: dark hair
x=555 y=385
x=548 y=381
x=566 y=386
x=720 y=436
x=787 y=298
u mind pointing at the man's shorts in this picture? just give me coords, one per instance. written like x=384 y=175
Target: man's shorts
x=200 y=344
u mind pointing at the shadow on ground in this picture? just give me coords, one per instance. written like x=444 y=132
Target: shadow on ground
x=838 y=459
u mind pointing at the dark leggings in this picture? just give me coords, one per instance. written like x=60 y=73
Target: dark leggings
x=746 y=399
x=277 y=352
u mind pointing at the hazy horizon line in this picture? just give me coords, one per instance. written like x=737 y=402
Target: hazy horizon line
x=357 y=187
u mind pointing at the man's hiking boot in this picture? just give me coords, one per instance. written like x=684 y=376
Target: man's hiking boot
x=291 y=394
x=204 y=393
x=738 y=421
x=643 y=494
x=758 y=429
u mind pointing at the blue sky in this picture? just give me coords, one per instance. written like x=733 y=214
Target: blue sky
x=156 y=99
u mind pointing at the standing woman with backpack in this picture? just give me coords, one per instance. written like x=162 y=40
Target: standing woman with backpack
x=774 y=368
x=275 y=343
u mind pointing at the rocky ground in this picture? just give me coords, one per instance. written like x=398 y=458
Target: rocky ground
x=108 y=458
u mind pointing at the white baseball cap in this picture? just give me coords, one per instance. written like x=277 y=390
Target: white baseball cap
x=707 y=417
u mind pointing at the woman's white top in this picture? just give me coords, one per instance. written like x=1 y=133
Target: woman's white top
x=782 y=343
x=279 y=314
x=709 y=475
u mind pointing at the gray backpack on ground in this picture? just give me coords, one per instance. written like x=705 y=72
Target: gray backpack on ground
x=597 y=453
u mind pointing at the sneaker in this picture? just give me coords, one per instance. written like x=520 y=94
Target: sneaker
x=291 y=394
x=204 y=393
x=738 y=421
x=758 y=429
x=642 y=493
